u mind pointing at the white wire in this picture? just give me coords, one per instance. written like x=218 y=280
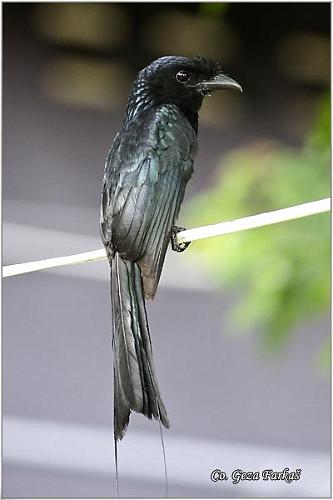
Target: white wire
x=198 y=233
x=265 y=219
x=38 y=265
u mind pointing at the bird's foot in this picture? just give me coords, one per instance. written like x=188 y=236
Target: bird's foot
x=178 y=247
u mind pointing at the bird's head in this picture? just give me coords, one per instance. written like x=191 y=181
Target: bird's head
x=183 y=81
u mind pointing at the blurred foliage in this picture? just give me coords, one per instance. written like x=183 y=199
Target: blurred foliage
x=323 y=358
x=281 y=272
x=213 y=9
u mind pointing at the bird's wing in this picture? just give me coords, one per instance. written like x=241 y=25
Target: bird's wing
x=165 y=203
x=108 y=191
x=150 y=179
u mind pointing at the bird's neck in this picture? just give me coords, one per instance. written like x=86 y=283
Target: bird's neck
x=192 y=116
x=142 y=100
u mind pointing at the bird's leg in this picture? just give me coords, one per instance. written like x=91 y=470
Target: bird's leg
x=178 y=247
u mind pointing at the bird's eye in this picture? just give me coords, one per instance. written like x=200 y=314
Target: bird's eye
x=182 y=76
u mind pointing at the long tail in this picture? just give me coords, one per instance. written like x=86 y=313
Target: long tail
x=135 y=384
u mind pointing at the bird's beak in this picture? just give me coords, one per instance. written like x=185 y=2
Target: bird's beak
x=220 y=82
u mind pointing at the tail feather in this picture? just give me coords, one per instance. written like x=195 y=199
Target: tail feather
x=135 y=383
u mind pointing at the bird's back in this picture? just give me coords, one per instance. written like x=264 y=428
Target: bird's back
x=147 y=170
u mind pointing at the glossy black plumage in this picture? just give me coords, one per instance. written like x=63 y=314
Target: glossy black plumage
x=146 y=172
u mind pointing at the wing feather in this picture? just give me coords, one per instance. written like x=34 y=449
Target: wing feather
x=144 y=188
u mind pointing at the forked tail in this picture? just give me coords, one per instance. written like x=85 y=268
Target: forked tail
x=135 y=383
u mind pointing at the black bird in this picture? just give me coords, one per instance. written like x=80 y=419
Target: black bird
x=146 y=172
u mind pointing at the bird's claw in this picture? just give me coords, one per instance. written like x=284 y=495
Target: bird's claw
x=178 y=247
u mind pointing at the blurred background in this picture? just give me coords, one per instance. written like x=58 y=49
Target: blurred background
x=240 y=324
